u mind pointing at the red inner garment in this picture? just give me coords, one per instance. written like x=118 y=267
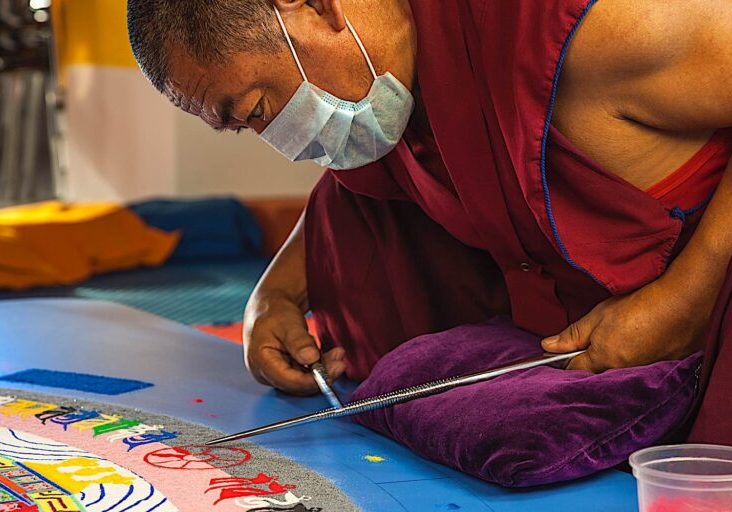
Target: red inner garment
x=693 y=183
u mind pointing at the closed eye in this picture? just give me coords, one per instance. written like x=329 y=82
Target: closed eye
x=237 y=129
x=258 y=112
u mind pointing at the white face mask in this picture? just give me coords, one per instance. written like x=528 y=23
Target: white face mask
x=315 y=125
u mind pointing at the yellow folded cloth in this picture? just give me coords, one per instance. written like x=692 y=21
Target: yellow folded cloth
x=55 y=243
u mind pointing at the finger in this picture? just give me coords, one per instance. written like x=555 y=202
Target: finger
x=574 y=337
x=335 y=354
x=335 y=363
x=336 y=370
x=300 y=345
x=277 y=368
x=585 y=362
x=259 y=376
x=251 y=366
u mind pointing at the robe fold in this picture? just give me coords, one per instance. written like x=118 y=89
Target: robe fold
x=488 y=211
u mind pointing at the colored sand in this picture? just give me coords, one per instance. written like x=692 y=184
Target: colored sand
x=249 y=475
x=98 y=384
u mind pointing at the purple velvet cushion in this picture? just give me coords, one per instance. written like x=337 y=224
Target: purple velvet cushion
x=532 y=427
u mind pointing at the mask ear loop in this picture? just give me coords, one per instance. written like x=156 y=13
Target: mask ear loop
x=297 y=59
x=292 y=47
x=362 y=47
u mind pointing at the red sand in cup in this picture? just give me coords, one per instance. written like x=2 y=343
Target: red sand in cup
x=687 y=505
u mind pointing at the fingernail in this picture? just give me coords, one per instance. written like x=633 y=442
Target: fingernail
x=553 y=340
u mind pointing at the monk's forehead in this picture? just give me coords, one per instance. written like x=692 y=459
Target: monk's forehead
x=184 y=72
x=194 y=86
x=187 y=74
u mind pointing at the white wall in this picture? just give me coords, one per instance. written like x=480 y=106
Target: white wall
x=124 y=141
x=120 y=139
x=226 y=162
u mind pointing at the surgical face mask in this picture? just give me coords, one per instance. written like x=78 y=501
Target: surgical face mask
x=340 y=134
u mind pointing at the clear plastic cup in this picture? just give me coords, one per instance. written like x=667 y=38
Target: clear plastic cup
x=684 y=478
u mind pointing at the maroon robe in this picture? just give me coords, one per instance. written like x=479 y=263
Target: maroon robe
x=487 y=214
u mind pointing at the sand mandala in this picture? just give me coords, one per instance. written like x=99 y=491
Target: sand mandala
x=59 y=455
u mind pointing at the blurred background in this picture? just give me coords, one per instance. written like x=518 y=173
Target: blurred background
x=27 y=165
x=86 y=145
x=79 y=121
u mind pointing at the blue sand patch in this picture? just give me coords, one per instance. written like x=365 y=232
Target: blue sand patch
x=77 y=381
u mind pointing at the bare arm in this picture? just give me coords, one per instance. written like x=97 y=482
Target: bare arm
x=277 y=344
x=674 y=62
x=701 y=267
x=285 y=277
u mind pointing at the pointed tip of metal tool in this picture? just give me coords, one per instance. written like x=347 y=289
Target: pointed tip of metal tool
x=268 y=428
x=215 y=442
x=227 y=439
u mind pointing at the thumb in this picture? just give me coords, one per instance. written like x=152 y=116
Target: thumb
x=574 y=337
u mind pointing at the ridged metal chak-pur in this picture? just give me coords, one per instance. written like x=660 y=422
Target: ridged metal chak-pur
x=401 y=396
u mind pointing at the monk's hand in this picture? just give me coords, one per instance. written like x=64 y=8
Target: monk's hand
x=655 y=323
x=278 y=347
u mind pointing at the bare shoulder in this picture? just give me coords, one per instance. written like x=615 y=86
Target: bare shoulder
x=631 y=38
x=662 y=63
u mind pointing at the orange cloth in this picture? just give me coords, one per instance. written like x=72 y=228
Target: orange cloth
x=54 y=243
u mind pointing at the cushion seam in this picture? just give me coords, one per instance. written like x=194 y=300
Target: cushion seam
x=624 y=429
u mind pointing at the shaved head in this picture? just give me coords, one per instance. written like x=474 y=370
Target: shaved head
x=210 y=31
x=228 y=61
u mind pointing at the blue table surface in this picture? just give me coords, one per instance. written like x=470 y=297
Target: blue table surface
x=183 y=364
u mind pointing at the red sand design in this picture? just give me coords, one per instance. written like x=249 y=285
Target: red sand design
x=194 y=457
x=55 y=459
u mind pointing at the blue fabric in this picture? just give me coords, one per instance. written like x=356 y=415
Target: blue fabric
x=77 y=381
x=211 y=228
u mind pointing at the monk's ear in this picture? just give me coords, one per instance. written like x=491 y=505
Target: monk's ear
x=330 y=10
x=289 y=5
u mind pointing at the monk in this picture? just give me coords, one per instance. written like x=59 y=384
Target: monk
x=564 y=162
